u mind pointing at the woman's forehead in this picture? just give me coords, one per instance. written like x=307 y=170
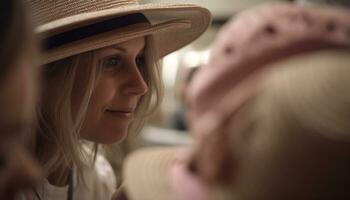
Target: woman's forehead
x=136 y=44
x=133 y=47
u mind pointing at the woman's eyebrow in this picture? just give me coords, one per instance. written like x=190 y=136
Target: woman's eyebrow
x=142 y=51
x=118 y=48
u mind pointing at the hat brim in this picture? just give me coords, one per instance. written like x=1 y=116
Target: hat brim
x=172 y=25
x=146 y=173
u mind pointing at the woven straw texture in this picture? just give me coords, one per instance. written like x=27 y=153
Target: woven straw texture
x=57 y=9
x=147 y=179
x=167 y=20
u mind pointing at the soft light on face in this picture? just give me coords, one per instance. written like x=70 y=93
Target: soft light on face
x=117 y=93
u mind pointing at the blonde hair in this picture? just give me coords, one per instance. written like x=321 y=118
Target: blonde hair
x=58 y=126
x=308 y=105
x=313 y=91
x=307 y=93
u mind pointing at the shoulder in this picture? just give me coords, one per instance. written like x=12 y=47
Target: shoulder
x=104 y=170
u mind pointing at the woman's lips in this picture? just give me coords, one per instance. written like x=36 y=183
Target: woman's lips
x=121 y=113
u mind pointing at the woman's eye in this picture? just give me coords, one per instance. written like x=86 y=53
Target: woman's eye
x=140 y=60
x=111 y=63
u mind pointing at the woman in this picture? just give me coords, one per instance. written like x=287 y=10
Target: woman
x=101 y=80
x=18 y=56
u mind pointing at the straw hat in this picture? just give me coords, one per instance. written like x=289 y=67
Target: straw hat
x=275 y=32
x=71 y=27
x=161 y=173
x=151 y=180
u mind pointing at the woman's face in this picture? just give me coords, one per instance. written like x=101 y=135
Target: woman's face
x=17 y=169
x=117 y=93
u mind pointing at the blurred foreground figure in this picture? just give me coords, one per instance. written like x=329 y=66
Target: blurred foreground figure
x=270 y=114
x=18 y=172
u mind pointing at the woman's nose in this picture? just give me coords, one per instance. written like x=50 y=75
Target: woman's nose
x=135 y=84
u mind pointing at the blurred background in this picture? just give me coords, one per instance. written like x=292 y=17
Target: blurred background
x=167 y=126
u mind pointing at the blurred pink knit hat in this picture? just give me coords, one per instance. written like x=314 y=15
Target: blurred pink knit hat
x=249 y=42
x=255 y=39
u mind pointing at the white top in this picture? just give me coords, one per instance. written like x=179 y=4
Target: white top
x=100 y=184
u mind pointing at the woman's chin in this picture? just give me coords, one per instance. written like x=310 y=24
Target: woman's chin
x=109 y=137
x=116 y=139
x=113 y=137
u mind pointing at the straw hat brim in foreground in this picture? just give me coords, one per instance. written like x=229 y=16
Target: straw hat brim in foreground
x=146 y=173
x=172 y=25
